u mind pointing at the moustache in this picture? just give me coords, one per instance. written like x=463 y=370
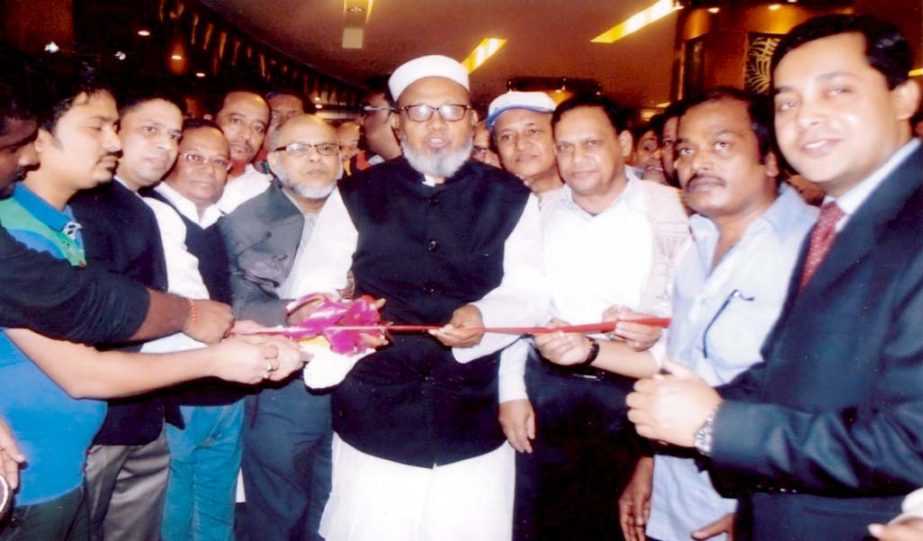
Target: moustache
x=699 y=177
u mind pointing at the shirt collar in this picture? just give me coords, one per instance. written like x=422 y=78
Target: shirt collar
x=38 y=207
x=781 y=216
x=116 y=178
x=187 y=208
x=628 y=196
x=850 y=201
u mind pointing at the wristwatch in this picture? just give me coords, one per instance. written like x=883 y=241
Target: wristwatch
x=703 y=436
x=594 y=352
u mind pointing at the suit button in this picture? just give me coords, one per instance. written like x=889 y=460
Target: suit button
x=431 y=245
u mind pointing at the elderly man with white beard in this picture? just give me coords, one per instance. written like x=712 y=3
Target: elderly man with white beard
x=287 y=432
x=418 y=453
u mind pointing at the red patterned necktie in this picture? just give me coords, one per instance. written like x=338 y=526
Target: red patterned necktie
x=821 y=240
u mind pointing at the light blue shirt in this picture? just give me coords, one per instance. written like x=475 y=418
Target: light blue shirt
x=721 y=317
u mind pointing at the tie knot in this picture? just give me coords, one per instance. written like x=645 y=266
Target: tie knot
x=830 y=214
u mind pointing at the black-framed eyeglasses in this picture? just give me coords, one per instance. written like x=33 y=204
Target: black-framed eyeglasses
x=450 y=112
x=735 y=294
x=301 y=149
x=200 y=160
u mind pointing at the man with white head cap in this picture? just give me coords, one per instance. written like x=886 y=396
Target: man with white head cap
x=418 y=453
x=520 y=123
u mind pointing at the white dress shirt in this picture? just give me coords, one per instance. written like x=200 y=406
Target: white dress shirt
x=624 y=255
x=239 y=190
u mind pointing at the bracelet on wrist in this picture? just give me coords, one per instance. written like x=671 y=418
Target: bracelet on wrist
x=593 y=354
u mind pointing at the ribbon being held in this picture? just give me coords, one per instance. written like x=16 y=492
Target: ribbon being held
x=343 y=323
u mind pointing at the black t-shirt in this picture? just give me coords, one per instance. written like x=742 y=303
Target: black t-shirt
x=52 y=298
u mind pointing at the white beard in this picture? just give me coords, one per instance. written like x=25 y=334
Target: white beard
x=440 y=165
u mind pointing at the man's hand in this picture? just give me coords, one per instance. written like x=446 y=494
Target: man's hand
x=296 y=317
x=562 y=348
x=635 y=502
x=517 y=418
x=465 y=330
x=10 y=455
x=252 y=359
x=724 y=524
x=209 y=321
x=637 y=336
x=670 y=408
x=906 y=530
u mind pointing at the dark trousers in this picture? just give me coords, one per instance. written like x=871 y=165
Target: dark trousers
x=62 y=519
x=583 y=456
x=286 y=463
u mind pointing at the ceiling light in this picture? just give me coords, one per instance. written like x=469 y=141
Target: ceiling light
x=200 y=74
x=663 y=105
x=144 y=33
x=917 y=72
x=774 y=7
x=714 y=10
x=637 y=21
x=52 y=47
x=318 y=106
x=487 y=48
x=120 y=55
x=176 y=57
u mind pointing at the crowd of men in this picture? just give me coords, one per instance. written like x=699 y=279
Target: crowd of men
x=783 y=402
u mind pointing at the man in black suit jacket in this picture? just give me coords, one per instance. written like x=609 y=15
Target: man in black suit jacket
x=127 y=466
x=824 y=437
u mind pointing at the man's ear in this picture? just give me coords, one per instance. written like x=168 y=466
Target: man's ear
x=906 y=99
x=43 y=138
x=772 y=165
x=626 y=142
x=274 y=165
x=395 y=120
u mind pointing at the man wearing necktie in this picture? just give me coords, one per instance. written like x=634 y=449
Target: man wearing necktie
x=823 y=438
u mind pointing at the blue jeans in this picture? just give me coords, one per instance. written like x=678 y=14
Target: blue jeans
x=287 y=462
x=204 y=461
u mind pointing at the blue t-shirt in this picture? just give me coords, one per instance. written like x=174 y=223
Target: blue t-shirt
x=53 y=430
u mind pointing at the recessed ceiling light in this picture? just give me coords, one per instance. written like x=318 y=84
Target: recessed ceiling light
x=774 y=7
x=120 y=55
x=144 y=33
x=486 y=49
x=356 y=9
x=200 y=74
x=636 y=22
x=714 y=10
x=917 y=72
x=176 y=57
x=318 y=106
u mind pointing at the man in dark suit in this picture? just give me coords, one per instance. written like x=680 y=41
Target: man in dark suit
x=128 y=464
x=287 y=428
x=824 y=437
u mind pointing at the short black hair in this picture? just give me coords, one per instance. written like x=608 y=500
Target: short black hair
x=614 y=113
x=886 y=49
x=196 y=123
x=759 y=107
x=65 y=78
x=674 y=110
x=140 y=94
x=217 y=101
x=19 y=89
x=655 y=124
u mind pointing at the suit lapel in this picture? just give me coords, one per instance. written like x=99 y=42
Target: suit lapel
x=870 y=221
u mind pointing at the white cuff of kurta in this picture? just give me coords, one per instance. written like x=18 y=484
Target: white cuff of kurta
x=659 y=353
x=326 y=368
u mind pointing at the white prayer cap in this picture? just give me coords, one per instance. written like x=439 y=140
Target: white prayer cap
x=426 y=66
x=533 y=101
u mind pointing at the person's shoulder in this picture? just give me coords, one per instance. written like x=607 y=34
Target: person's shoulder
x=663 y=200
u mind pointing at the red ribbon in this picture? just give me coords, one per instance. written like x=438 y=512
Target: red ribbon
x=342 y=322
